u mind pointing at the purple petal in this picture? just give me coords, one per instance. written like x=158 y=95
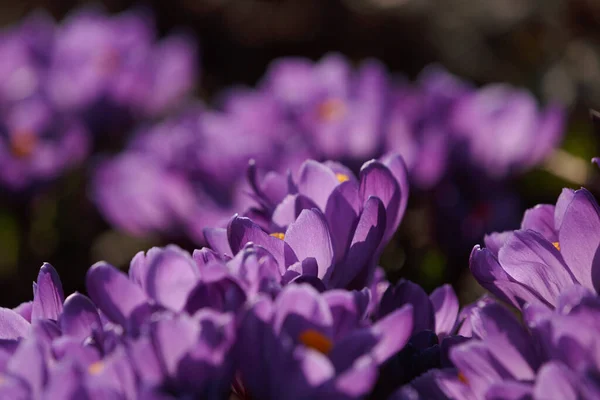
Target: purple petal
x=29 y=363
x=359 y=379
x=478 y=366
x=357 y=268
x=309 y=238
x=556 y=381
x=316 y=181
x=445 y=306
x=171 y=351
x=172 y=274
x=243 y=230
x=565 y=198
x=541 y=219
x=393 y=331
x=79 y=317
x=341 y=218
x=218 y=241
x=495 y=241
x=24 y=310
x=48 y=296
x=533 y=261
x=407 y=292
x=113 y=292
x=397 y=167
x=300 y=301
x=579 y=236
x=487 y=271
x=377 y=180
x=12 y=325
x=509 y=390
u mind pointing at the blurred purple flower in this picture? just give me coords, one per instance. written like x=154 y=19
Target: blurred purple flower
x=339 y=111
x=25 y=51
x=502 y=130
x=101 y=60
x=37 y=145
x=418 y=126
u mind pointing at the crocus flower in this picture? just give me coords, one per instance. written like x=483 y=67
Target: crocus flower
x=340 y=111
x=37 y=145
x=418 y=126
x=25 y=52
x=311 y=345
x=328 y=225
x=554 y=249
x=547 y=358
x=99 y=60
x=503 y=131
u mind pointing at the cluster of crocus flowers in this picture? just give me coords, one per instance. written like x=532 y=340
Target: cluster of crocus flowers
x=287 y=302
x=327 y=110
x=62 y=83
x=259 y=314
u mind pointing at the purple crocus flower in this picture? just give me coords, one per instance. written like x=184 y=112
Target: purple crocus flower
x=37 y=145
x=101 y=60
x=328 y=225
x=547 y=358
x=502 y=130
x=418 y=126
x=25 y=52
x=306 y=344
x=340 y=112
x=202 y=157
x=555 y=248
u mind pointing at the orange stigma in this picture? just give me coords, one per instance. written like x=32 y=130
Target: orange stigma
x=278 y=235
x=557 y=245
x=316 y=340
x=331 y=110
x=96 y=368
x=22 y=143
x=462 y=378
x=342 y=177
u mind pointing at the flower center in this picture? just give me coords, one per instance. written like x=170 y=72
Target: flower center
x=342 y=177
x=22 y=143
x=463 y=378
x=316 y=340
x=557 y=245
x=331 y=110
x=278 y=235
x=96 y=368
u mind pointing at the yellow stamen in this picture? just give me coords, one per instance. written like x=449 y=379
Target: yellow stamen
x=342 y=177
x=278 y=235
x=96 y=368
x=463 y=378
x=331 y=110
x=316 y=340
x=557 y=245
x=23 y=143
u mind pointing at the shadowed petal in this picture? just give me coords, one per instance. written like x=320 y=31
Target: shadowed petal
x=316 y=181
x=48 y=295
x=79 y=317
x=530 y=259
x=172 y=274
x=445 y=306
x=113 y=292
x=309 y=238
x=579 y=236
